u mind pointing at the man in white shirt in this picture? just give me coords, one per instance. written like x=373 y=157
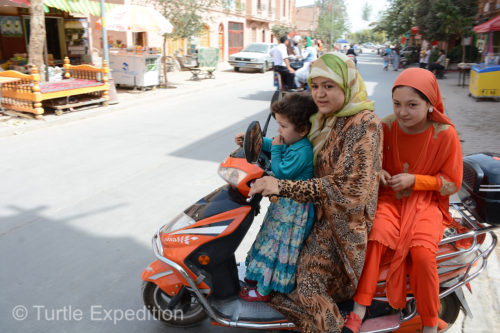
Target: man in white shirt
x=282 y=63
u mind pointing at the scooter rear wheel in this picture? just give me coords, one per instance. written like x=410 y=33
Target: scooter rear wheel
x=450 y=309
x=186 y=313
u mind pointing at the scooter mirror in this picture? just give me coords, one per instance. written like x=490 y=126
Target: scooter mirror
x=253 y=142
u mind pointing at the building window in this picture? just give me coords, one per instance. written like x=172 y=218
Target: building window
x=235 y=37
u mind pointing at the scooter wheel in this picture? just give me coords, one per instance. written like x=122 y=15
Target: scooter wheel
x=450 y=309
x=187 y=312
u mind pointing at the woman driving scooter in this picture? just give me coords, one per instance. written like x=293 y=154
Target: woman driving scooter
x=347 y=142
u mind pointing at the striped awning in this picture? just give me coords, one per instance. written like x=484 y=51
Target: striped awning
x=79 y=6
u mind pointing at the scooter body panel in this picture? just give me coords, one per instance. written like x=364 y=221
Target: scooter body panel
x=164 y=276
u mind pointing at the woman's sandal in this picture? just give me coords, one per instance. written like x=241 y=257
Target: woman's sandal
x=352 y=323
x=245 y=295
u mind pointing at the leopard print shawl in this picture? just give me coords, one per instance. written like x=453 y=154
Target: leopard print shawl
x=345 y=198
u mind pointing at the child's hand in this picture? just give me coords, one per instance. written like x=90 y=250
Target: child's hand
x=384 y=178
x=401 y=181
x=278 y=140
x=238 y=139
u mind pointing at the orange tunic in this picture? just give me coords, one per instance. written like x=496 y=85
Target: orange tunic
x=414 y=217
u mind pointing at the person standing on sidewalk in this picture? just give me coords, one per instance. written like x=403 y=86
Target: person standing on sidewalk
x=395 y=57
x=424 y=57
x=282 y=63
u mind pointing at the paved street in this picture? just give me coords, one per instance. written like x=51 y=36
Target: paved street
x=82 y=194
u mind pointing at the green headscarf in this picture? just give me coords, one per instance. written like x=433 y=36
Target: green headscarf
x=342 y=70
x=309 y=42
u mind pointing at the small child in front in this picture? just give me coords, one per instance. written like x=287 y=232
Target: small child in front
x=271 y=261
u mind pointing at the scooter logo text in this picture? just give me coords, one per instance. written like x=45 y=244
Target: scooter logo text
x=180 y=239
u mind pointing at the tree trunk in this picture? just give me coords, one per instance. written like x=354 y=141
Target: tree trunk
x=37 y=34
x=164 y=60
x=463 y=46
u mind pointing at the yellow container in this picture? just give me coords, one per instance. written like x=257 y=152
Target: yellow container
x=485 y=80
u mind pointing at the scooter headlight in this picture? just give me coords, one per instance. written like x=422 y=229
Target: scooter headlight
x=232 y=175
x=180 y=221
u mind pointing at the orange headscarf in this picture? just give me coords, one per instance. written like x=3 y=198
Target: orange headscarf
x=425 y=82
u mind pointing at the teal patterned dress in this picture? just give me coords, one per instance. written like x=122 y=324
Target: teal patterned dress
x=272 y=259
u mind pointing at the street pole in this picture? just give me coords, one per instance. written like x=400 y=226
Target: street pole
x=113 y=98
x=104 y=36
x=331 y=26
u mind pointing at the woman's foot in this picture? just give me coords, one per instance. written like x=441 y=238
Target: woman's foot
x=250 y=294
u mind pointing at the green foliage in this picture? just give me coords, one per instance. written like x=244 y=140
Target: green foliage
x=366 y=12
x=332 y=24
x=367 y=35
x=186 y=15
x=434 y=55
x=471 y=54
x=446 y=18
x=398 y=18
x=280 y=30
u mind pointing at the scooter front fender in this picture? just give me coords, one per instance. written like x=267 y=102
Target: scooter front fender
x=165 y=277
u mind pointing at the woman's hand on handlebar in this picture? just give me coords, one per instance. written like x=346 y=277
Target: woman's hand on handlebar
x=238 y=139
x=266 y=186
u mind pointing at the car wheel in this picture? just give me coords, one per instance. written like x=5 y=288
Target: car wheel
x=264 y=67
x=236 y=69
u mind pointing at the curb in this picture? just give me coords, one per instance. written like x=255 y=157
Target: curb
x=181 y=80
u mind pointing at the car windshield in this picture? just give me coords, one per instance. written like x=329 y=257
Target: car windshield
x=259 y=48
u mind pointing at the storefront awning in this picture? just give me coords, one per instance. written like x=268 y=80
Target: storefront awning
x=79 y=6
x=491 y=25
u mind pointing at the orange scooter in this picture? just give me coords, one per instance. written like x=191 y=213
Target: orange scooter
x=196 y=273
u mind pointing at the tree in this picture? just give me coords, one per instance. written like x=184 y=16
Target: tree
x=280 y=30
x=37 y=34
x=447 y=18
x=186 y=17
x=366 y=12
x=398 y=19
x=367 y=35
x=332 y=22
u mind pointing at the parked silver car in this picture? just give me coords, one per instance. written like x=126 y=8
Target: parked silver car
x=254 y=56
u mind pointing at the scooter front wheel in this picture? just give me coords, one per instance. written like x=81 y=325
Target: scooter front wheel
x=186 y=312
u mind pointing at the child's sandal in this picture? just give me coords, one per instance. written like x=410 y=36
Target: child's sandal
x=245 y=295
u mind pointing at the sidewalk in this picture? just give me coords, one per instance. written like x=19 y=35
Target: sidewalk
x=180 y=84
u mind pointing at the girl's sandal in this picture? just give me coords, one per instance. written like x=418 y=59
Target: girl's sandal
x=352 y=323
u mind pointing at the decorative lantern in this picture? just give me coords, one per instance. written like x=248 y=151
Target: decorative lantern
x=414 y=30
x=403 y=40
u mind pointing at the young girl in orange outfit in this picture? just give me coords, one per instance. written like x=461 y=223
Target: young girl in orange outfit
x=422 y=167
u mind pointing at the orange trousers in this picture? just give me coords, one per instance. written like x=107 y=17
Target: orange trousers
x=424 y=280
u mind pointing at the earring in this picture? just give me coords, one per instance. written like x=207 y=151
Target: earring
x=431 y=109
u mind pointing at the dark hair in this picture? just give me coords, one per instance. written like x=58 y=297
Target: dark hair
x=421 y=94
x=283 y=39
x=297 y=108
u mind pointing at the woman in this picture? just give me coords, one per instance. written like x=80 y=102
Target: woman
x=422 y=167
x=347 y=145
x=309 y=54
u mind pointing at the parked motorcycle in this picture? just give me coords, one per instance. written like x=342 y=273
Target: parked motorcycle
x=196 y=273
